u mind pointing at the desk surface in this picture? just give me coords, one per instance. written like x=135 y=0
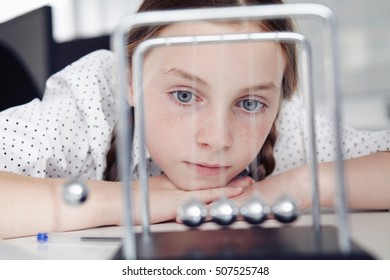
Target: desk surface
x=369 y=230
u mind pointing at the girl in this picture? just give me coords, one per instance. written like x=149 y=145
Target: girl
x=71 y=132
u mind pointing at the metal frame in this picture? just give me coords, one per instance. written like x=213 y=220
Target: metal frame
x=230 y=13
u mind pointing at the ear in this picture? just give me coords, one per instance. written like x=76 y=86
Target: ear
x=130 y=94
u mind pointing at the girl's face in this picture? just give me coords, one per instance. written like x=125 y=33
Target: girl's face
x=209 y=108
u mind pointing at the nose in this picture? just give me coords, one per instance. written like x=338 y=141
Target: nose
x=214 y=131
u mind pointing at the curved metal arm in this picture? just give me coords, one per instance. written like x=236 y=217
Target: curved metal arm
x=315 y=11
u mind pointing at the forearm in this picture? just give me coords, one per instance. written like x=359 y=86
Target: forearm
x=367 y=180
x=30 y=205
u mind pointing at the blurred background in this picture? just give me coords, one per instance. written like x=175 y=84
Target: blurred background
x=364 y=43
x=74 y=18
x=364 y=46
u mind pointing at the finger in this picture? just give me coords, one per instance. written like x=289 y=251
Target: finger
x=210 y=195
x=241 y=182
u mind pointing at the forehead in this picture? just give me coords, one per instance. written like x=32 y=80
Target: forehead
x=219 y=28
x=263 y=58
x=206 y=28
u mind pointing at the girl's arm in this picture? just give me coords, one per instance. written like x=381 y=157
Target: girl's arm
x=30 y=205
x=367 y=180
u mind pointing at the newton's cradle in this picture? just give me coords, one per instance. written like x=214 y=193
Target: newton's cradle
x=255 y=242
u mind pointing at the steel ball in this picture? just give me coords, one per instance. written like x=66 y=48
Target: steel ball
x=75 y=192
x=255 y=210
x=224 y=212
x=285 y=209
x=192 y=213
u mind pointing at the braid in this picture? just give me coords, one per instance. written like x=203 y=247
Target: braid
x=264 y=163
x=111 y=173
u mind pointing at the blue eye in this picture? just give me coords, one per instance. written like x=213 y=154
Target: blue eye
x=183 y=96
x=251 y=105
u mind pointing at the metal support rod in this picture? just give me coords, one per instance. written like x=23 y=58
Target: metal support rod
x=307 y=85
x=332 y=67
x=124 y=152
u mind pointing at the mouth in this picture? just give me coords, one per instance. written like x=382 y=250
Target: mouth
x=207 y=169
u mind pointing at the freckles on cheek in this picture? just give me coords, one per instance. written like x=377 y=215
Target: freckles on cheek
x=154 y=124
x=158 y=120
x=161 y=129
x=255 y=136
x=156 y=131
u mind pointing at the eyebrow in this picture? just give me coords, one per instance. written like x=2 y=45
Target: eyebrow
x=188 y=76
x=268 y=86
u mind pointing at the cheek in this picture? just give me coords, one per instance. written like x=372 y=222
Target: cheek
x=158 y=129
x=251 y=140
x=164 y=134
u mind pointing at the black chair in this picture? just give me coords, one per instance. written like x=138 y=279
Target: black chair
x=28 y=51
x=16 y=85
x=67 y=52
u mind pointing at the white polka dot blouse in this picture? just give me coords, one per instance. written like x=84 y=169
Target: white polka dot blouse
x=67 y=134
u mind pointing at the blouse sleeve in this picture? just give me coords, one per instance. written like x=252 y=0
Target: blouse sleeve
x=68 y=132
x=292 y=146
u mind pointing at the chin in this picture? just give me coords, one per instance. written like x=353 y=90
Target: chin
x=197 y=185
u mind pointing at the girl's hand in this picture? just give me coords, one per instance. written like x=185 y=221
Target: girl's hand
x=165 y=198
x=295 y=182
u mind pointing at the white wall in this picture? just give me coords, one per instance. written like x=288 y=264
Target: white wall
x=365 y=59
x=74 y=18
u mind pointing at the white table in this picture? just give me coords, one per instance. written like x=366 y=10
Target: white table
x=369 y=230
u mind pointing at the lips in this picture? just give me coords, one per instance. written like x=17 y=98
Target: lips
x=207 y=169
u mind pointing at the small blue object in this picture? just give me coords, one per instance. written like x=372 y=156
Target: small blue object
x=42 y=237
